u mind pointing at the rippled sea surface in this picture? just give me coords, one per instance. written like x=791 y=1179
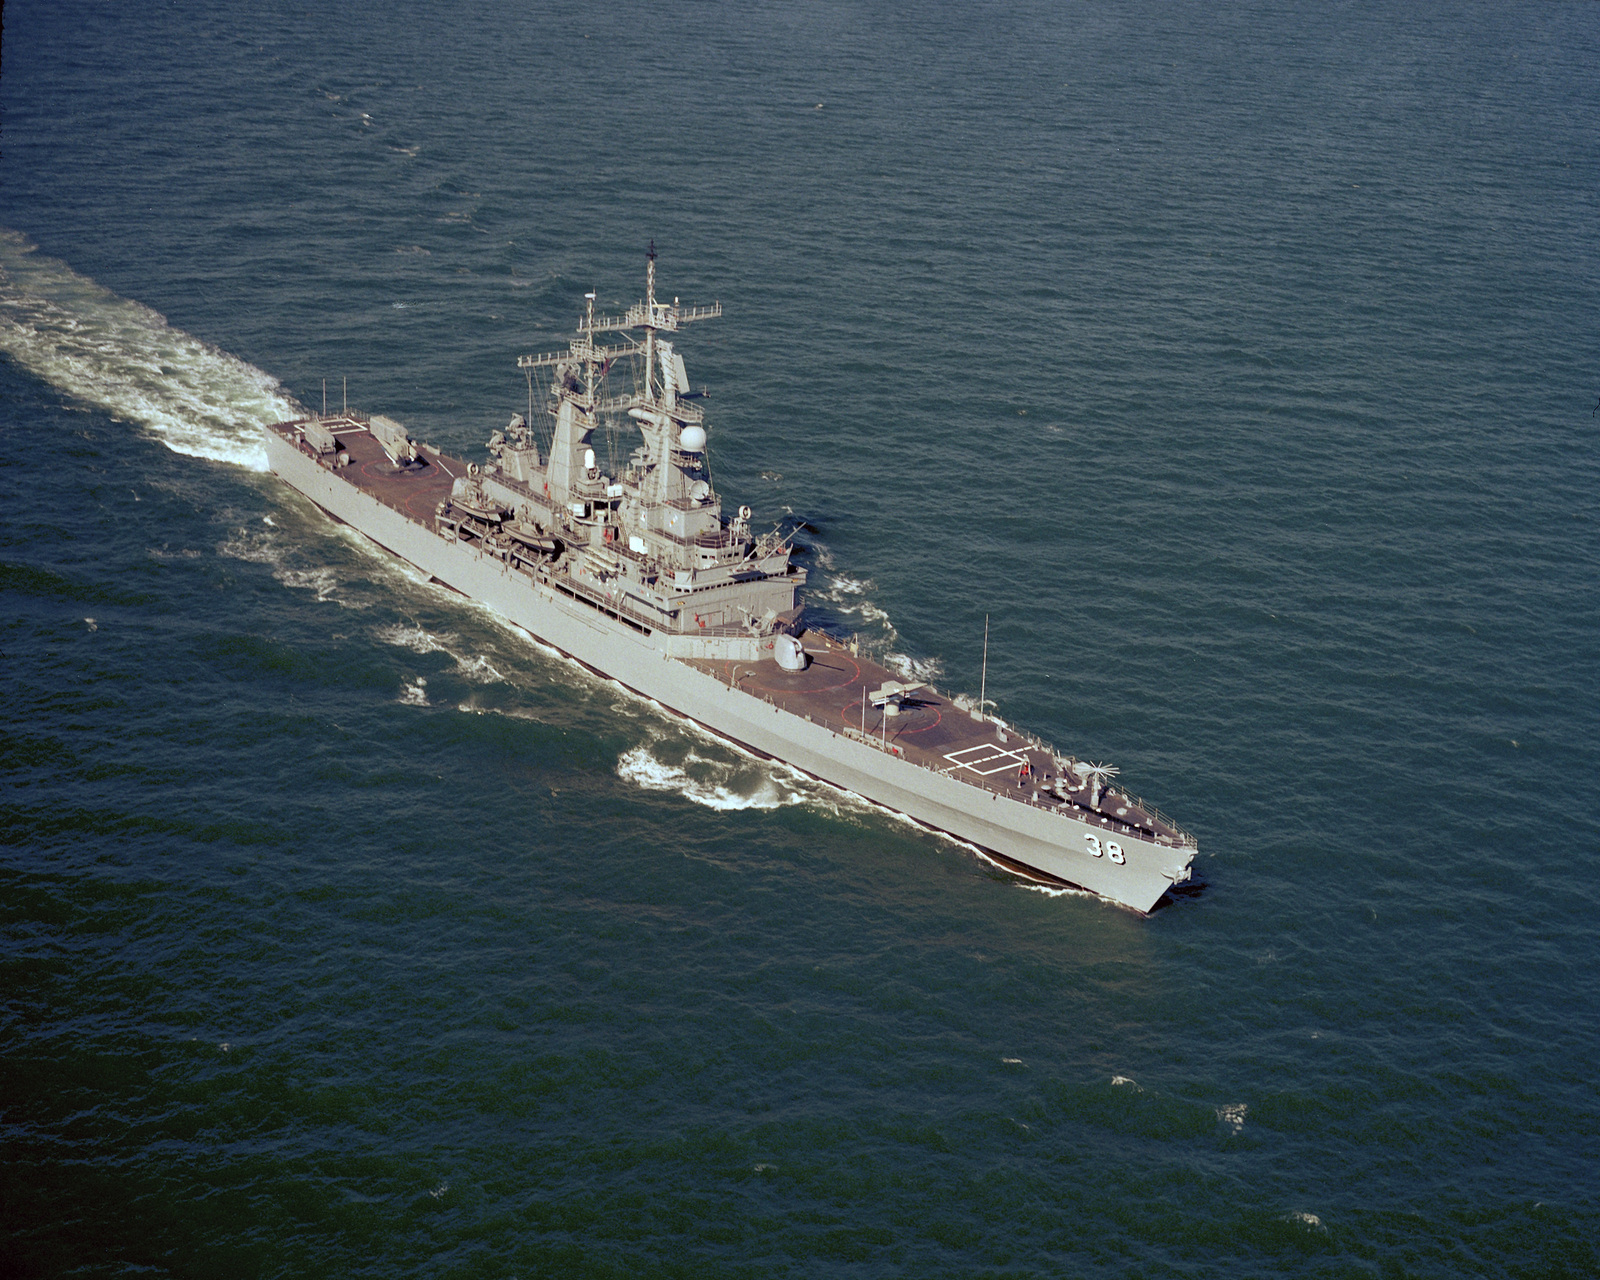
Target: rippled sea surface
x=1239 y=363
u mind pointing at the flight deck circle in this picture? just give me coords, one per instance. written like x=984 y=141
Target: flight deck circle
x=850 y=713
x=797 y=680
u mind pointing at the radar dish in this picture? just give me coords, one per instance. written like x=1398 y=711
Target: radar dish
x=1097 y=775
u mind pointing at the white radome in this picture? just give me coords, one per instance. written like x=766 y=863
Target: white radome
x=693 y=439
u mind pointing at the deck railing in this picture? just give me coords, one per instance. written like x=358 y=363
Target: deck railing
x=1179 y=836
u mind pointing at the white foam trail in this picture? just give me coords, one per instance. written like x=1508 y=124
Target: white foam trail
x=929 y=669
x=415 y=694
x=1233 y=1115
x=871 y=613
x=417 y=639
x=1048 y=890
x=642 y=769
x=323 y=583
x=848 y=597
x=262 y=547
x=126 y=359
x=253 y=547
x=476 y=667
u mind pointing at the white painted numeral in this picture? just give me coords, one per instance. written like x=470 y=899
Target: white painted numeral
x=1110 y=849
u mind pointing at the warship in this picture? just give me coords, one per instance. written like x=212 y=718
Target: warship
x=639 y=572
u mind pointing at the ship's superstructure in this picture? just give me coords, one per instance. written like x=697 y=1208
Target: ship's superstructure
x=653 y=539
x=635 y=569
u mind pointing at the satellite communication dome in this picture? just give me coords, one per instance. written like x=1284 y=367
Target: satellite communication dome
x=693 y=439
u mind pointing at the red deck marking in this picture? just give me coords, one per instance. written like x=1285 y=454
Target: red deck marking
x=850 y=713
x=827 y=688
x=937 y=717
x=807 y=690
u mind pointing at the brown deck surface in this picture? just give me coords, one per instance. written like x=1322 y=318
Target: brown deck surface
x=414 y=491
x=929 y=730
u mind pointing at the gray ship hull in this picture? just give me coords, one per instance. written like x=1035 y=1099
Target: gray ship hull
x=1052 y=843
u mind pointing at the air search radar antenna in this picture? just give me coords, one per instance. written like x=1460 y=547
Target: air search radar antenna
x=650 y=316
x=1098 y=775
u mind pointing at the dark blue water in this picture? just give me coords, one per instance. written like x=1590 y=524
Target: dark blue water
x=1240 y=365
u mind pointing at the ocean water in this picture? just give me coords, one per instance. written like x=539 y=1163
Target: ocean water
x=1239 y=363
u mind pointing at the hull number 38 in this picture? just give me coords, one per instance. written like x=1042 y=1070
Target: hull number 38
x=1111 y=849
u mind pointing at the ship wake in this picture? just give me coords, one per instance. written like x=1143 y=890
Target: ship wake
x=124 y=358
x=844 y=607
x=680 y=766
x=472 y=667
x=265 y=546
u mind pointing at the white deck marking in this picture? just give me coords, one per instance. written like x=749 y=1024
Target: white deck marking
x=993 y=754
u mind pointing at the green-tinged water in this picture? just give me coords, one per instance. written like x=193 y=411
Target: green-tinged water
x=1237 y=364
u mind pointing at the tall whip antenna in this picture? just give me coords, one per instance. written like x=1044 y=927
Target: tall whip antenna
x=983 y=680
x=650 y=322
